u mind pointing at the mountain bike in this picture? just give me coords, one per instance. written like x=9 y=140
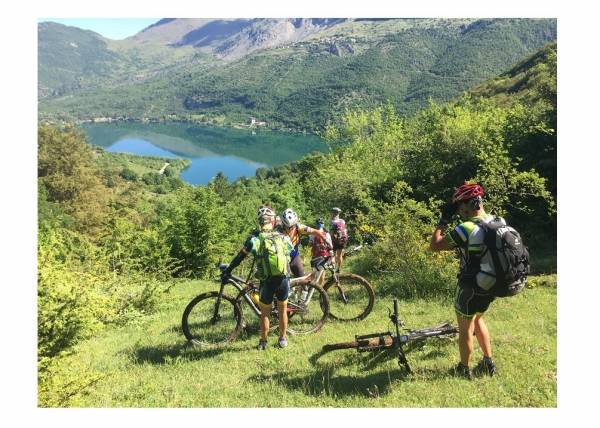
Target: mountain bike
x=215 y=319
x=351 y=297
x=389 y=341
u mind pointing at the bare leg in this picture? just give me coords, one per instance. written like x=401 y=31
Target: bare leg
x=283 y=319
x=465 y=338
x=339 y=259
x=483 y=336
x=265 y=310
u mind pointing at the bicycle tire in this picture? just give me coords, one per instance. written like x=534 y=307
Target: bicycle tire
x=387 y=341
x=342 y=345
x=307 y=318
x=199 y=326
x=443 y=330
x=359 y=297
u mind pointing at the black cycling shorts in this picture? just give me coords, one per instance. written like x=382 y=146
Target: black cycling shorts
x=276 y=286
x=297 y=267
x=471 y=300
x=339 y=245
x=318 y=263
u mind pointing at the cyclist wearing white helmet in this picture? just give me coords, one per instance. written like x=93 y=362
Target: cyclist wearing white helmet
x=273 y=283
x=293 y=229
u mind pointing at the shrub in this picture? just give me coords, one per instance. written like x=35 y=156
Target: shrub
x=128 y=174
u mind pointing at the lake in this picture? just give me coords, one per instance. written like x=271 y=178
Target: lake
x=234 y=152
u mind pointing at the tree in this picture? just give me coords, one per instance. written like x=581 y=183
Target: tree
x=67 y=170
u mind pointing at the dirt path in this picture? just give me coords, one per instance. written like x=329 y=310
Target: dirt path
x=162 y=170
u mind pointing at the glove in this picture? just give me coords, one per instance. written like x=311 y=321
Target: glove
x=447 y=212
x=225 y=274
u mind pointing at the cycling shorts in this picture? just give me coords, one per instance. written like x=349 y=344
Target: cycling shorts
x=471 y=300
x=297 y=267
x=339 y=245
x=276 y=286
x=318 y=263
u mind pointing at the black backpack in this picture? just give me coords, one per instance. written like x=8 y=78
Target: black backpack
x=504 y=262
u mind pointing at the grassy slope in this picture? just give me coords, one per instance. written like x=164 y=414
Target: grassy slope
x=149 y=365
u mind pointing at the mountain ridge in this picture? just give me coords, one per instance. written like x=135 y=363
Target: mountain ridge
x=296 y=72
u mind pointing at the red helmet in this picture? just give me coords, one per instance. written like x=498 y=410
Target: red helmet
x=466 y=192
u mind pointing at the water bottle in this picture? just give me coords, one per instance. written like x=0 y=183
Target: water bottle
x=254 y=296
x=303 y=295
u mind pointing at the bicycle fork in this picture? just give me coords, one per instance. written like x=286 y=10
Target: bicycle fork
x=216 y=315
x=401 y=355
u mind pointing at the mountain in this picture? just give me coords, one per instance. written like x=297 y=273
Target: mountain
x=70 y=58
x=297 y=73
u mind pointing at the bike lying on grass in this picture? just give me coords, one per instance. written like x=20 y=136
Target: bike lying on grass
x=394 y=342
x=215 y=319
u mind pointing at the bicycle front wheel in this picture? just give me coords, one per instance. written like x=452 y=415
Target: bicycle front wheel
x=212 y=322
x=351 y=297
x=307 y=308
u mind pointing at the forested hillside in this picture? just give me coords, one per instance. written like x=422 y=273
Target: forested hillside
x=302 y=77
x=115 y=234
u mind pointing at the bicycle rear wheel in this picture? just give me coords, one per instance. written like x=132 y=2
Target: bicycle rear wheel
x=206 y=325
x=351 y=297
x=304 y=316
x=341 y=345
x=381 y=341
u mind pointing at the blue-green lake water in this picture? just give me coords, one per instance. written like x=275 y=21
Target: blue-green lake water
x=234 y=152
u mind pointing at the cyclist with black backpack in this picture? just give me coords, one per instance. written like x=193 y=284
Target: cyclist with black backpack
x=494 y=263
x=271 y=249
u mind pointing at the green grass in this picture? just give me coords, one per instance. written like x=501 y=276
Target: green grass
x=149 y=364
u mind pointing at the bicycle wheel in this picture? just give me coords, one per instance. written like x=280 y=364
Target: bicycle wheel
x=382 y=341
x=341 y=345
x=351 y=297
x=307 y=316
x=205 y=327
x=441 y=331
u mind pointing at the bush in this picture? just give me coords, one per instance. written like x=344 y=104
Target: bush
x=400 y=259
x=128 y=174
x=193 y=225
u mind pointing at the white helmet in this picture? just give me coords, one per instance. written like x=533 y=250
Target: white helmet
x=265 y=215
x=289 y=218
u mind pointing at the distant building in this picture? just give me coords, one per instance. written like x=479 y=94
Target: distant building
x=254 y=122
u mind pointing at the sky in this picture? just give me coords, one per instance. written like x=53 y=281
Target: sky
x=110 y=28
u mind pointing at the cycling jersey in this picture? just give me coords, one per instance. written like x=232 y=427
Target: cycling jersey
x=468 y=238
x=294 y=234
x=321 y=247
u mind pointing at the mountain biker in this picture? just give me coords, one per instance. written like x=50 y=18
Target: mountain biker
x=471 y=301
x=322 y=250
x=270 y=286
x=339 y=235
x=290 y=227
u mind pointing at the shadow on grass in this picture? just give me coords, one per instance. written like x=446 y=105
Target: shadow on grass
x=165 y=354
x=325 y=382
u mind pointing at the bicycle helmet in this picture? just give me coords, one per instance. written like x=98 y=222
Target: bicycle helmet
x=467 y=191
x=320 y=223
x=336 y=210
x=265 y=215
x=289 y=218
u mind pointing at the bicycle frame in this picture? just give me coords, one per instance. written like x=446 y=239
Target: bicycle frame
x=397 y=340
